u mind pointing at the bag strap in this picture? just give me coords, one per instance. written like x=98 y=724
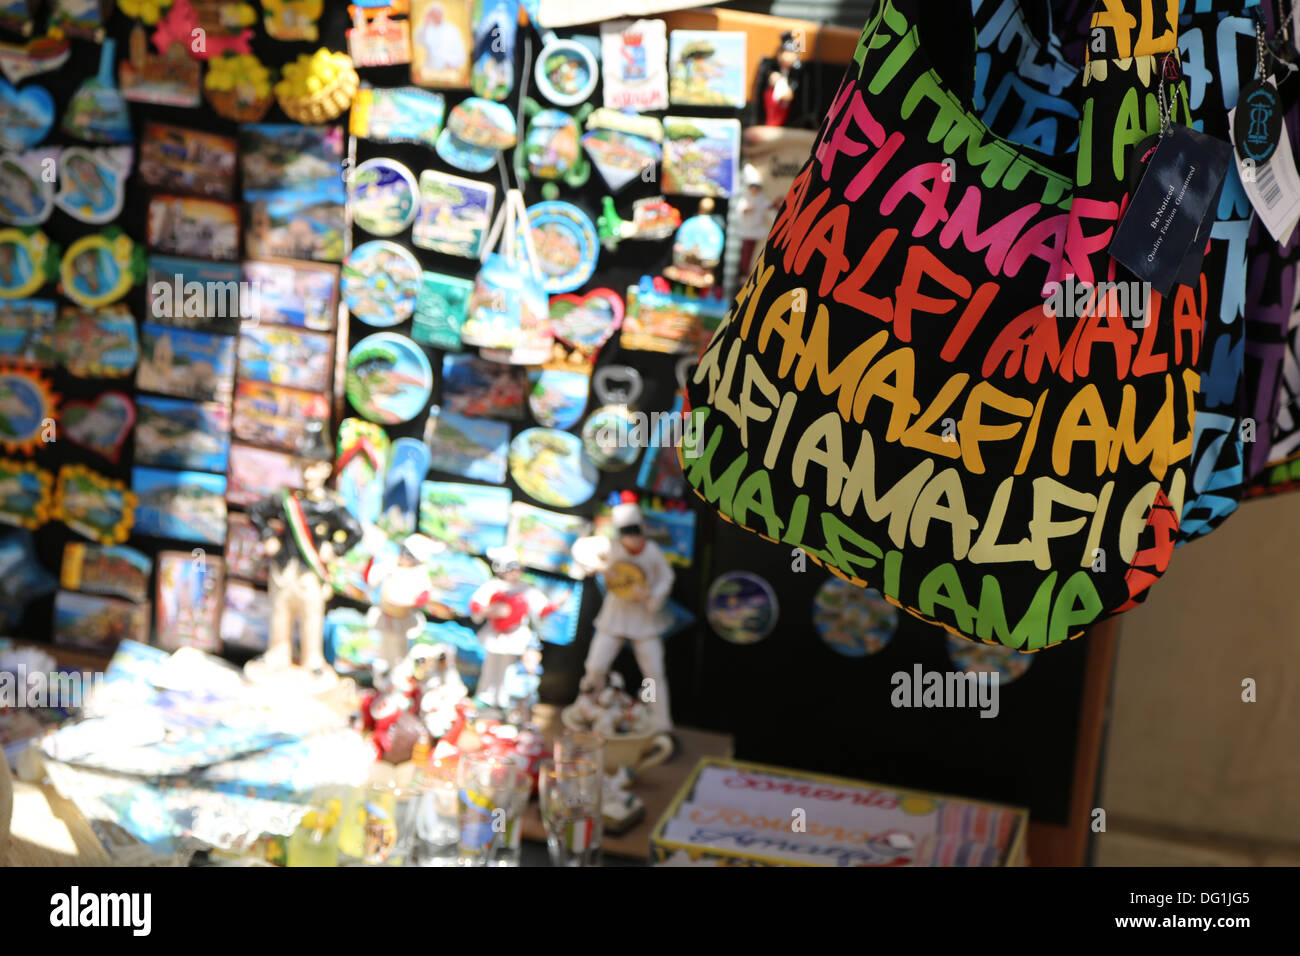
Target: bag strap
x=509 y=224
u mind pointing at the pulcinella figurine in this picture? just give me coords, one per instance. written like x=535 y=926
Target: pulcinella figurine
x=508 y=607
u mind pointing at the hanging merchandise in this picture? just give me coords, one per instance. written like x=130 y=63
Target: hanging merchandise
x=741 y=607
x=93 y=182
x=363 y=449
x=169 y=78
x=454 y=214
x=185 y=505
x=508 y=308
x=173 y=433
x=381 y=281
x=189 y=600
x=697 y=249
x=26 y=115
x=623 y=147
x=389 y=378
x=476 y=386
x=206 y=28
x=27 y=407
x=97 y=112
x=27 y=261
x=403 y=115
x=377 y=40
x=441 y=43
x=821 y=265
x=188 y=226
x=279 y=417
x=496 y=26
x=238 y=87
x=469 y=447
x=317 y=87
x=27 y=331
x=550 y=467
x=477 y=130
x=617 y=384
x=408 y=463
x=100 y=268
x=566 y=242
x=21 y=61
x=27 y=186
x=101 y=425
x=635 y=56
x=550 y=149
x=853 y=621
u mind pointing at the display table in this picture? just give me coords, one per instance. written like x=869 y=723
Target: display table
x=48 y=830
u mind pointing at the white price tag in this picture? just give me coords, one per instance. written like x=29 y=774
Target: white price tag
x=1273 y=187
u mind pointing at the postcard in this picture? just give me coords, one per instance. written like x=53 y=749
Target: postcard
x=246 y=617
x=468 y=447
x=183 y=161
x=634 y=56
x=244 y=555
x=94 y=623
x=455 y=214
x=469 y=518
x=285 y=356
x=27 y=330
x=174 y=433
x=257 y=473
x=189 y=600
x=701 y=156
x=402 y=115
x=441 y=43
x=194 y=294
x=284 y=418
x=114 y=570
x=285 y=292
x=303 y=223
x=707 y=68
x=186 y=364
x=186 y=226
x=543 y=538
x=183 y=505
x=288 y=156
x=96 y=343
x=475 y=386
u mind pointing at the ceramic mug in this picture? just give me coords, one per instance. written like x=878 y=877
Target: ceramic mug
x=637 y=752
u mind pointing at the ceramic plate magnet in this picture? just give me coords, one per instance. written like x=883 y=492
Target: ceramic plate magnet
x=557 y=398
x=389 y=378
x=970 y=656
x=622 y=157
x=741 y=607
x=26 y=115
x=93 y=182
x=566 y=72
x=551 y=148
x=100 y=268
x=384 y=196
x=565 y=240
x=27 y=261
x=381 y=283
x=27 y=407
x=550 y=466
x=477 y=130
x=853 y=621
x=27 y=187
x=609 y=438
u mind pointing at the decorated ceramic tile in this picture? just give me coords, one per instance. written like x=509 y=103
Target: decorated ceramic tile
x=283 y=418
x=27 y=186
x=384 y=196
x=566 y=243
x=363 y=449
x=441 y=43
x=26 y=115
x=634 y=55
x=544 y=538
x=389 y=378
x=188 y=226
x=465 y=517
x=101 y=424
x=853 y=621
x=196 y=294
x=169 y=77
x=701 y=156
x=974 y=657
x=508 y=313
x=100 y=268
x=189 y=600
x=622 y=158
x=26 y=494
x=93 y=505
x=257 y=473
x=496 y=26
x=183 y=505
x=566 y=72
x=707 y=68
x=174 y=433
x=286 y=292
x=469 y=447
x=244 y=555
x=27 y=410
x=402 y=115
x=246 y=617
x=96 y=343
x=179 y=160
x=658 y=321
x=94 y=623
x=454 y=214
x=185 y=364
x=381 y=282
x=286 y=356
x=441 y=309
x=93 y=182
x=27 y=331
x=98 y=113
x=113 y=570
x=608 y=438
x=741 y=607
x=475 y=386
x=28 y=260
x=550 y=466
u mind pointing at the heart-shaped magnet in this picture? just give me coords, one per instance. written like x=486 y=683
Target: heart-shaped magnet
x=586 y=322
x=26 y=115
x=101 y=425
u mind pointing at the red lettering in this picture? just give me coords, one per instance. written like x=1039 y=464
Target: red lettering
x=922 y=262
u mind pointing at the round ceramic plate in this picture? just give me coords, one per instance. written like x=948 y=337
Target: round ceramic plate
x=853 y=621
x=608 y=439
x=566 y=72
x=741 y=607
x=549 y=465
x=454 y=151
x=25 y=198
x=383 y=194
x=565 y=240
x=381 y=282
x=389 y=378
x=980 y=658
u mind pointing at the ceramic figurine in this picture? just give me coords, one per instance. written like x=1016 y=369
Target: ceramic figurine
x=508 y=607
x=302 y=532
x=638 y=580
x=522 y=682
x=782 y=81
x=756 y=213
x=440 y=687
x=404 y=588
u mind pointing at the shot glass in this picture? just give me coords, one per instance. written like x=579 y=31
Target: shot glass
x=570 y=794
x=492 y=792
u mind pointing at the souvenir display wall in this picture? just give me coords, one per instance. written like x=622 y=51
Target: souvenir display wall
x=400 y=342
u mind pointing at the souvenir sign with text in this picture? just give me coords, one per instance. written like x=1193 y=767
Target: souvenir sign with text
x=27 y=261
x=475 y=386
x=454 y=214
x=26 y=115
x=707 y=68
x=496 y=23
x=634 y=54
x=441 y=43
x=27 y=187
x=389 y=378
x=384 y=195
x=408 y=463
x=27 y=331
x=186 y=364
x=285 y=292
x=285 y=356
x=175 y=433
x=96 y=343
x=701 y=156
x=469 y=447
x=363 y=449
x=566 y=243
x=283 y=418
x=189 y=601
x=977 y=658
x=470 y=518
x=441 y=309
x=176 y=159
x=184 y=505
x=741 y=607
x=97 y=112
x=405 y=114
x=188 y=226
x=196 y=294
x=26 y=494
x=27 y=407
x=101 y=424
x=381 y=282
x=114 y=570
x=853 y=621
x=100 y=268
x=96 y=623
x=93 y=505
x=550 y=466
x=477 y=130
x=257 y=473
